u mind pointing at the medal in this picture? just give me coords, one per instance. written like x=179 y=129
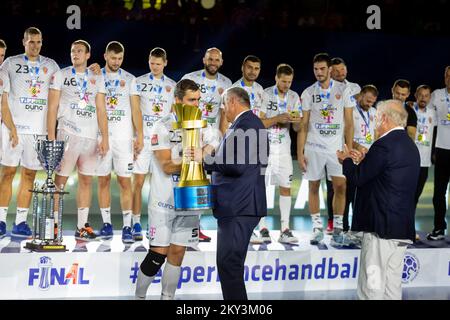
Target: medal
x=368 y=138
x=250 y=92
x=420 y=137
x=82 y=87
x=34 y=72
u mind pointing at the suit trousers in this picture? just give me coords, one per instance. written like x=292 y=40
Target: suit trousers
x=441 y=179
x=380 y=268
x=233 y=237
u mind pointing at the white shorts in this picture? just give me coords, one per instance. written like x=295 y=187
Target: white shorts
x=119 y=156
x=24 y=153
x=316 y=162
x=279 y=170
x=166 y=227
x=80 y=152
x=143 y=162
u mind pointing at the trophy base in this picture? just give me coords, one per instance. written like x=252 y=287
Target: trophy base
x=193 y=198
x=45 y=247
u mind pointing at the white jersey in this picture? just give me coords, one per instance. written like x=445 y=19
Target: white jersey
x=426 y=121
x=440 y=100
x=211 y=94
x=279 y=138
x=4 y=87
x=326 y=122
x=156 y=97
x=77 y=112
x=354 y=87
x=256 y=94
x=28 y=92
x=119 y=88
x=164 y=137
x=364 y=125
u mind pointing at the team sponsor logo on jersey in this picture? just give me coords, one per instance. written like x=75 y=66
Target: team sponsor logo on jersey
x=155 y=140
x=33 y=104
x=86 y=112
x=115 y=115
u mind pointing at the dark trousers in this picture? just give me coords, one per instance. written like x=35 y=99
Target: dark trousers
x=423 y=176
x=233 y=237
x=349 y=197
x=441 y=179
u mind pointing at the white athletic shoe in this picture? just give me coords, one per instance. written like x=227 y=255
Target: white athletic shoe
x=317 y=236
x=287 y=237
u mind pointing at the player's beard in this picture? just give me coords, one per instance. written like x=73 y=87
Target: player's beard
x=210 y=69
x=250 y=78
x=113 y=69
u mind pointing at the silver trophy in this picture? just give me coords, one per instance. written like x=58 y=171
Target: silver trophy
x=47 y=236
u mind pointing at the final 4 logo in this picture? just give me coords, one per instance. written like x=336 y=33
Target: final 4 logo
x=46 y=275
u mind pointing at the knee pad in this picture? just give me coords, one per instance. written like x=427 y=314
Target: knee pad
x=152 y=263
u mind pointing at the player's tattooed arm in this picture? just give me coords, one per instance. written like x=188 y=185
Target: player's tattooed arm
x=164 y=158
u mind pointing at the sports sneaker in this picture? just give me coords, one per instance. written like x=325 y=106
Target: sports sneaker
x=136 y=232
x=2 y=229
x=265 y=235
x=126 y=235
x=287 y=237
x=107 y=231
x=354 y=238
x=203 y=237
x=254 y=239
x=340 y=239
x=86 y=233
x=317 y=236
x=436 y=235
x=22 y=230
x=329 y=227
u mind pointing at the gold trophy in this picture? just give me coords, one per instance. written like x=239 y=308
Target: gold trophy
x=194 y=191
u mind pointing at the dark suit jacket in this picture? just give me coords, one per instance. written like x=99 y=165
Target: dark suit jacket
x=237 y=171
x=386 y=182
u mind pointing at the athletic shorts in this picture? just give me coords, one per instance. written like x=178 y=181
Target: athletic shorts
x=24 y=153
x=143 y=162
x=119 y=157
x=80 y=152
x=316 y=164
x=166 y=227
x=279 y=170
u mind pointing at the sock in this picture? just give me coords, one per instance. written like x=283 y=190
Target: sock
x=82 y=217
x=21 y=215
x=106 y=215
x=127 y=218
x=3 y=213
x=262 y=224
x=338 y=222
x=316 y=220
x=285 y=211
x=136 y=218
x=142 y=284
x=169 y=281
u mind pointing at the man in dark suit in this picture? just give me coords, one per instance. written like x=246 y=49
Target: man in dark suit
x=238 y=178
x=386 y=180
